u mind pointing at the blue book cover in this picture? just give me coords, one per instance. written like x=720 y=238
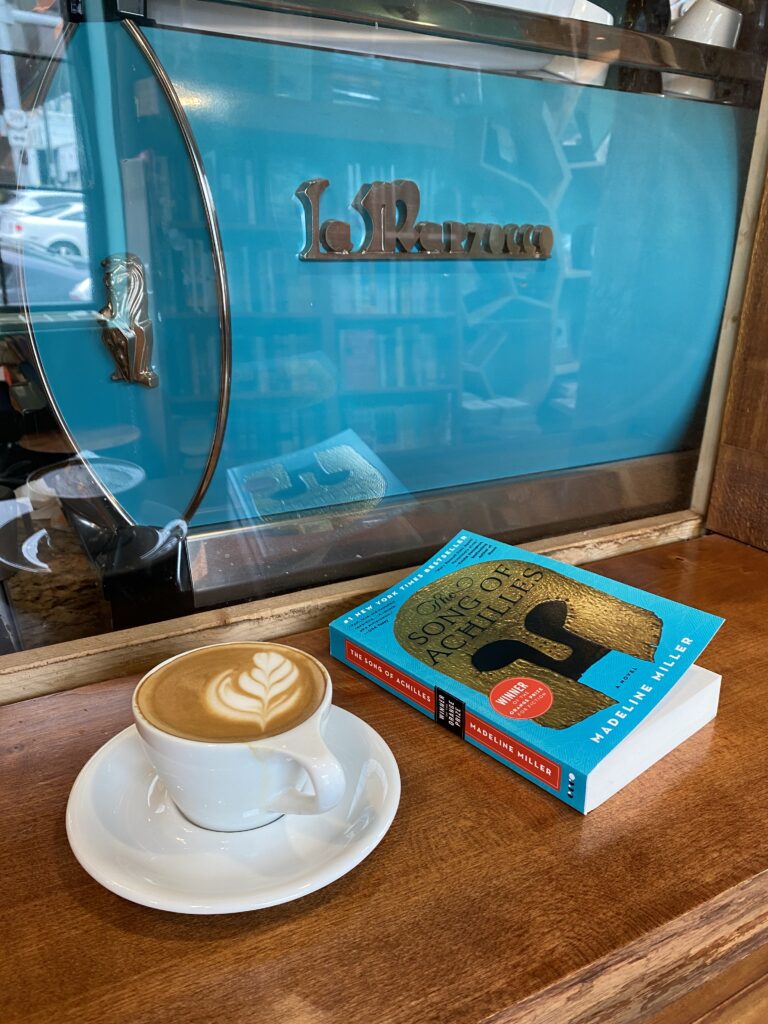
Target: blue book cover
x=545 y=666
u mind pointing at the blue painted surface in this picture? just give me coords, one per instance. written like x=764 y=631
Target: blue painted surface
x=451 y=372
x=602 y=353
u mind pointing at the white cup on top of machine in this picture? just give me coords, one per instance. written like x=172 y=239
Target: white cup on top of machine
x=583 y=72
x=541 y=65
x=703 y=21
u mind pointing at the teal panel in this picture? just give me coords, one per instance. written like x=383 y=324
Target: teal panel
x=452 y=373
x=459 y=372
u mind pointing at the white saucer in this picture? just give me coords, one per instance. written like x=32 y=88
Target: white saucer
x=130 y=837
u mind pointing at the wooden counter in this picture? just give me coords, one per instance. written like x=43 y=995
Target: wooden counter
x=487 y=901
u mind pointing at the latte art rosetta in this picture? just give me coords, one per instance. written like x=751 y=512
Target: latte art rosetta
x=269 y=690
x=233 y=693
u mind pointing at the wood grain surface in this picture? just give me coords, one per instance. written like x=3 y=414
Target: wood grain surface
x=737 y=504
x=488 y=901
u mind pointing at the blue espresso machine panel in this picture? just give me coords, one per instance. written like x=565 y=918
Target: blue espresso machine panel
x=279 y=385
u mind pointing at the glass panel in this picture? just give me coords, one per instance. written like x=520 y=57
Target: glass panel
x=143 y=242
x=196 y=414
x=464 y=371
x=439 y=374
x=114 y=392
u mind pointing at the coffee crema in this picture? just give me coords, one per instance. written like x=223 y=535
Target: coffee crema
x=232 y=692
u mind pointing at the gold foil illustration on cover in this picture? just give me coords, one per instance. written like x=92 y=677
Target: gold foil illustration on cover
x=492 y=620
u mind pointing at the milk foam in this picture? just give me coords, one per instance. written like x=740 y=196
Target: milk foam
x=271 y=689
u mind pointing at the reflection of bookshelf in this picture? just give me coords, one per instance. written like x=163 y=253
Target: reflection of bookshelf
x=315 y=350
x=247 y=314
x=353 y=392
x=315 y=353
x=397 y=426
x=399 y=387
x=390 y=317
x=410 y=356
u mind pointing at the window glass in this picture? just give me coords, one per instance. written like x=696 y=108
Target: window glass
x=289 y=299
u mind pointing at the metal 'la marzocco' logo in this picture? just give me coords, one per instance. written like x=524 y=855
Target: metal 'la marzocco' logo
x=389 y=210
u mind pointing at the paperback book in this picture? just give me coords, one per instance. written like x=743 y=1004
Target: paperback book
x=577 y=682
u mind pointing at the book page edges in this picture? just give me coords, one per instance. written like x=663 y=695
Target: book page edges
x=688 y=707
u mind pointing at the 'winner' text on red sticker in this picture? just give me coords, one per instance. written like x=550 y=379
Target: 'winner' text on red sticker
x=521 y=697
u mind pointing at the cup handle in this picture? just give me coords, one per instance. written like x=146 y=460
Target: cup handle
x=325 y=773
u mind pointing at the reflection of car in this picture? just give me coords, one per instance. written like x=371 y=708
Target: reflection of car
x=60 y=230
x=49 y=278
x=32 y=203
x=40 y=201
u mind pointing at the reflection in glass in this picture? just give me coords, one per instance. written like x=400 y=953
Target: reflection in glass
x=97 y=183
x=376 y=408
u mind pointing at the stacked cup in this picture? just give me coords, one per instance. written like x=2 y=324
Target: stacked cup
x=704 y=21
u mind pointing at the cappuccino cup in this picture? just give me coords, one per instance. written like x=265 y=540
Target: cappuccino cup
x=235 y=733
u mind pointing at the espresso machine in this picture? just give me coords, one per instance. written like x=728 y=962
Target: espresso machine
x=353 y=277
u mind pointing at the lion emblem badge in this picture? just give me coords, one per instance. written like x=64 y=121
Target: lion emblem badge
x=127 y=329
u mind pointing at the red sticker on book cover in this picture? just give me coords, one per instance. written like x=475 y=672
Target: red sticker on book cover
x=521 y=697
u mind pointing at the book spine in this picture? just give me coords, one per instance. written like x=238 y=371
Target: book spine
x=451 y=713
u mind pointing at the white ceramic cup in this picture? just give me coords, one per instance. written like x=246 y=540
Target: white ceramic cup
x=231 y=787
x=704 y=21
x=583 y=72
